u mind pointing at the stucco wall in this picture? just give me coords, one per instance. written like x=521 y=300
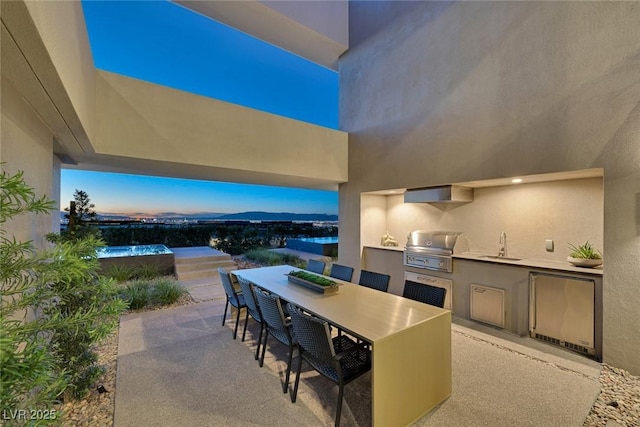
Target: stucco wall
x=46 y=56
x=436 y=92
x=329 y=18
x=26 y=145
x=141 y=120
x=314 y=30
x=63 y=31
x=568 y=211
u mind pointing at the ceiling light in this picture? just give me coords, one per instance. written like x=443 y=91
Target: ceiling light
x=516 y=180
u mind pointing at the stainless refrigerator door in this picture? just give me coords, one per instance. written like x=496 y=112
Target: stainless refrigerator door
x=562 y=307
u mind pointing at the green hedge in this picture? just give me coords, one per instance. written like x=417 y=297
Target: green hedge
x=233 y=239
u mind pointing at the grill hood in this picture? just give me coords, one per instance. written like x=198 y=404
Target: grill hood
x=440 y=194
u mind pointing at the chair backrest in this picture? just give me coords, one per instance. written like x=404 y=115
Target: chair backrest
x=272 y=314
x=424 y=293
x=313 y=335
x=227 y=284
x=316 y=266
x=249 y=298
x=374 y=280
x=341 y=272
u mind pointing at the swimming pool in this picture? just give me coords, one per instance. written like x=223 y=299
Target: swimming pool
x=136 y=256
x=327 y=246
x=133 y=250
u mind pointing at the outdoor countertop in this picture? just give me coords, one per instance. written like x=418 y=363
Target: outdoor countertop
x=525 y=262
x=528 y=262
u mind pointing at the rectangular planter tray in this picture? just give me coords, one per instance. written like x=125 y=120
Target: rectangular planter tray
x=313 y=286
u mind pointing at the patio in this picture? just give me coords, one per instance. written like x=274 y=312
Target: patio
x=180 y=367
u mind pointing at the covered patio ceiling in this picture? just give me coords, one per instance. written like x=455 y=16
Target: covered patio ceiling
x=108 y=122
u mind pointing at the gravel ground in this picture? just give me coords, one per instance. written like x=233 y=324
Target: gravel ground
x=619 y=399
x=97 y=408
x=617 y=405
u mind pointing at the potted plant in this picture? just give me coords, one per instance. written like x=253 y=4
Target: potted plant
x=314 y=282
x=584 y=255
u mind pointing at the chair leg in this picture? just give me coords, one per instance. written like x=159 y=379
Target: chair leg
x=246 y=321
x=294 y=395
x=224 y=316
x=259 y=341
x=339 y=406
x=264 y=347
x=285 y=386
x=235 y=330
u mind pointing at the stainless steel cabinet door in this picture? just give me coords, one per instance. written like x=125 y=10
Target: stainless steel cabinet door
x=562 y=308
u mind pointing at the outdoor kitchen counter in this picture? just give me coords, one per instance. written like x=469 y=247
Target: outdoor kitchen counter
x=469 y=269
x=387 y=248
x=531 y=263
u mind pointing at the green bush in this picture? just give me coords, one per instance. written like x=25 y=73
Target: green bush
x=233 y=239
x=146 y=271
x=124 y=273
x=121 y=273
x=137 y=294
x=146 y=293
x=267 y=257
x=55 y=307
x=294 y=260
x=167 y=291
x=89 y=301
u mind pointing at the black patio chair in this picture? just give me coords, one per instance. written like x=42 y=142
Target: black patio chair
x=234 y=297
x=341 y=272
x=277 y=326
x=339 y=359
x=374 y=280
x=424 y=293
x=316 y=266
x=253 y=309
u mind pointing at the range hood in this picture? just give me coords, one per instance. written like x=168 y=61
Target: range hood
x=440 y=194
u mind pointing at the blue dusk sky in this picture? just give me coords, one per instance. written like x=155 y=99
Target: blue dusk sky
x=129 y=194
x=164 y=43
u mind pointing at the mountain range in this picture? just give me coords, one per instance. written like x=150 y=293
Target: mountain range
x=240 y=216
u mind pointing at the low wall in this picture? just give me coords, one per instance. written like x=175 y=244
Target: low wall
x=164 y=262
x=315 y=247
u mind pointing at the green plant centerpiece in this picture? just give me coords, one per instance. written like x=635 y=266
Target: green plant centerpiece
x=313 y=281
x=584 y=255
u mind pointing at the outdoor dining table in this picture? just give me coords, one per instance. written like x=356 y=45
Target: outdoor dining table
x=410 y=341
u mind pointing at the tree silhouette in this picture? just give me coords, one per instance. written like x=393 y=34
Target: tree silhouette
x=81 y=211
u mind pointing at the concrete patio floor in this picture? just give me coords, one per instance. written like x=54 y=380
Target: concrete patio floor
x=180 y=367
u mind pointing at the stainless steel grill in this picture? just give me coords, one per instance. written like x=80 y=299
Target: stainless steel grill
x=431 y=250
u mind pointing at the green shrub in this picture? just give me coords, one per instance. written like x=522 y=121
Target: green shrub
x=90 y=304
x=54 y=308
x=146 y=271
x=293 y=260
x=267 y=257
x=121 y=273
x=137 y=294
x=144 y=293
x=263 y=256
x=167 y=291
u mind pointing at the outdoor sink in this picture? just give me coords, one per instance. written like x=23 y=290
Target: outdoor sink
x=501 y=257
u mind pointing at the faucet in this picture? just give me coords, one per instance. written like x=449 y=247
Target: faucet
x=502 y=252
